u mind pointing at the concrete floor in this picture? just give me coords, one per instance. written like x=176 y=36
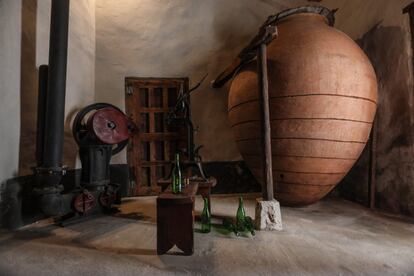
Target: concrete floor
x=333 y=237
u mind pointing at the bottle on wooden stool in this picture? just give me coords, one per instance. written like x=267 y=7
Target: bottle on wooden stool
x=176 y=184
x=206 y=218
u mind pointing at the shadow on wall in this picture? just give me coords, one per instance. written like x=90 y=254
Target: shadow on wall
x=232 y=177
x=175 y=39
x=29 y=92
x=28 y=84
x=388 y=50
x=355 y=185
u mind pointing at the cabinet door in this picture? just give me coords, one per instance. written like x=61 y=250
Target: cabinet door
x=148 y=102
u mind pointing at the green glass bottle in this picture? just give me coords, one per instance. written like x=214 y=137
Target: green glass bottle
x=205 y=218
x=250 y=225
x=240 y=216
x=177 y=184
x=230 y=226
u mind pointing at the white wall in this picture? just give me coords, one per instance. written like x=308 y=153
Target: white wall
x=17 y=73
x=80 y=83
x=10 y=37
x=180 y=38
x=159 y=38
x=356 y=17
x=188 y=38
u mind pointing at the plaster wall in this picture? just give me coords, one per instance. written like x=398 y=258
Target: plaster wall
x=10 y=38
x=190 y=38
x=80 y=84
x=395 y=117
x=183 y=38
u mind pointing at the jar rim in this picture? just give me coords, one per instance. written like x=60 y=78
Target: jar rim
x=327 y=13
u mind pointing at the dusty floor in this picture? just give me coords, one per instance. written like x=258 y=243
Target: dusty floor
x=332 y=237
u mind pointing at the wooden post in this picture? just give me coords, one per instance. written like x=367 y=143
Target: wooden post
x=267 y=189
x=372 y=165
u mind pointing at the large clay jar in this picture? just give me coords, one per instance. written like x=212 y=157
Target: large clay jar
x=323 y=98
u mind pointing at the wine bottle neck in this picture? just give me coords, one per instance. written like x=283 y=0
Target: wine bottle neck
x=177 y=159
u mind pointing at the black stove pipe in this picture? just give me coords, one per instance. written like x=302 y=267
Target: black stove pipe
x=55 y=102
x=51 y=116
x=41 y=113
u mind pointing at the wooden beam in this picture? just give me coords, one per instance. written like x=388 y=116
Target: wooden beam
x=372 y=165
x=267 y=188
x=410 y=10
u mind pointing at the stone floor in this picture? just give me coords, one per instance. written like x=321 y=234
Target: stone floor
x=333 y=237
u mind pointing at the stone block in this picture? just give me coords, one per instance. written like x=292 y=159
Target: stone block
x=268 y=216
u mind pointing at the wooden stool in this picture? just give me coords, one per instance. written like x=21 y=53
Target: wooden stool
x=175 y=220
x=204 y=187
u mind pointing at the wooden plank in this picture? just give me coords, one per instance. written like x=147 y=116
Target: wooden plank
x=187 y=192
x=153 y=172
x=410 y=10
x=135 y=109
x=184 y=139
x=132 y=102
x=372 y=165
x=137 y=141
x=149 y=191
x=147 y=82
x=154 y=163
x=154 y=109
x=166 y=140
x=165 y=98
x=267 y=188
x=159 y=135
x=129 y=110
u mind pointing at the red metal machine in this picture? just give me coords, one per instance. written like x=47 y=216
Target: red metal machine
x=100 y=130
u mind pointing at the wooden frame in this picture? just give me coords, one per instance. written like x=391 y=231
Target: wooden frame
x=147 y=102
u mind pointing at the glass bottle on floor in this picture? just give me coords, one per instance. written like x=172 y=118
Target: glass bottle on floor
x=206 y=218
x=240 y=216
x=176 y=176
